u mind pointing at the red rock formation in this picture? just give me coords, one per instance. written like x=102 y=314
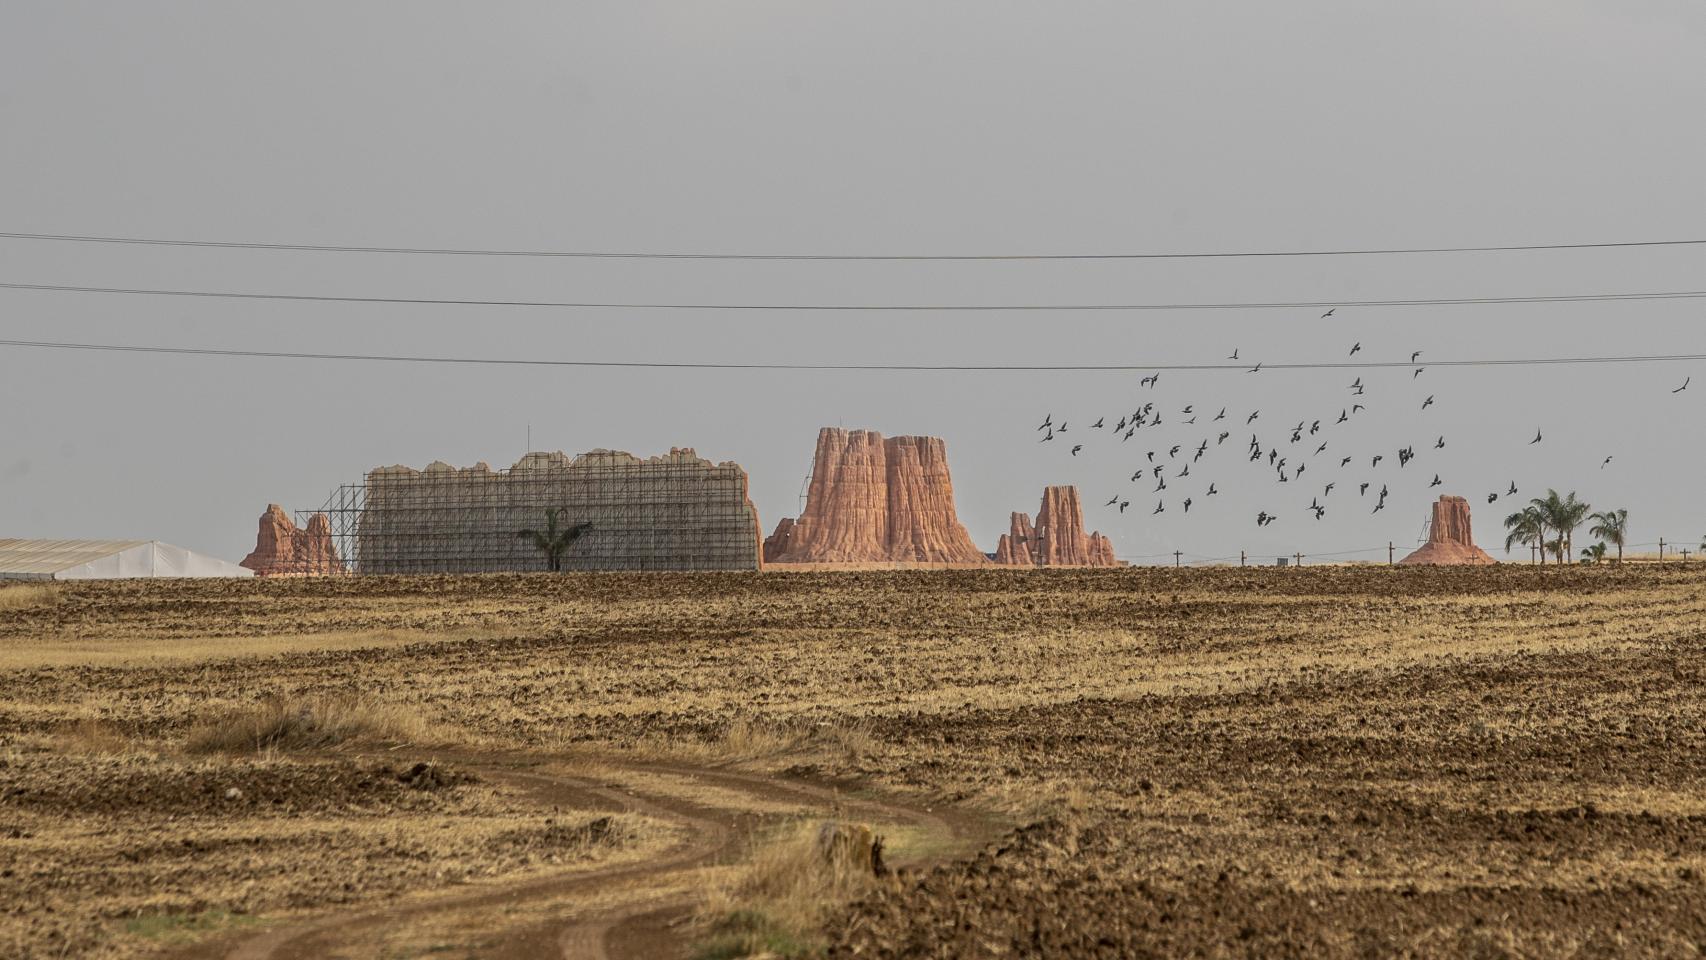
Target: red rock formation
x=1451 y=540
x=1058 y=538
x=777 y=543
x=282 y=550
x=1102 y=551
x=873 y=500
x=1015 y=545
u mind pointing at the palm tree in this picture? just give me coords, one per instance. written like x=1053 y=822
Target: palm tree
x=553 y=541
x=1526 y=527
x=1562 y=515
x=1613 y=526
x=1594 y=554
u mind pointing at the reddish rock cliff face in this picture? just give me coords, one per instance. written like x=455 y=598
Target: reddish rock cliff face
x=1451 y=539
x=777 y=543
x=873 y=500
x=1015 y=545
x=282 y=550
x=1057 y=538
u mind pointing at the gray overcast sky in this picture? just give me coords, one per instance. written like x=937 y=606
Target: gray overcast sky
x=875 y=127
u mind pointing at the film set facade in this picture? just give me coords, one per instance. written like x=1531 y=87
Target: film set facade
x=674 y=512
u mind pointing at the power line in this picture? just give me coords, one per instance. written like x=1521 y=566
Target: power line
x=943 y=368
x=656 y=255
x=877 y=307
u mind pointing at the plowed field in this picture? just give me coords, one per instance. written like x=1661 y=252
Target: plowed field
x=1325 y=762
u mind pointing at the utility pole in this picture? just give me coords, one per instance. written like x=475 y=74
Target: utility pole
x=1299 y=557
x=1685 y=553
x=1661 y=549
x=1390 y=553
x=1242 y=557
x=1176 y=554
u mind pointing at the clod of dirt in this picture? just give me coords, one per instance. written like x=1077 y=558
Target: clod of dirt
x=429 y=775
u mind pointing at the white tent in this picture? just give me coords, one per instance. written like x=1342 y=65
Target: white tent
x=106 y=560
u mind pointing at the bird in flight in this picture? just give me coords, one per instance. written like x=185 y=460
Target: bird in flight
x=1377 y=458
x=1185 y=472
x=1512 y=491
x=1160 y=485
x=1379 y=506
x=1355 y=347
x=1234 y=354
x=1115 y=499
x=1356 y=407
x=1328 y=313
x=1077 y=447
x=1491 y=497
x=1211 y=491
x=1345 y=462
x=1151 y=456
x=1413 y=356
x=1439 y=444
x=1603 y=464
x=1362 y=491
x=1255 y=369
x=1135 y=476
x=1252 y=418
x=1428 y=402
x=1417 y=373
x=1160 y=506
x=1223 y=435
x=1684 y=385
x=1047 y=438
x=1062 y=427
x=1262 y=518
x=1221 y=415
x=1189 y=407
x=1436 y=481
x=1174 y=451
x=1098 y=424
x=1046 y=422
x=1124 y=504
x=1321 y=448
x=1356 y=384
x=1343 y=416
x=1187 y=504
x=1536 y=438
x=1328 y=490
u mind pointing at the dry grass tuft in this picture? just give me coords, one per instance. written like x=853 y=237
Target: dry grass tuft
x=278 y=723
x=776 y=904
x=29 y=596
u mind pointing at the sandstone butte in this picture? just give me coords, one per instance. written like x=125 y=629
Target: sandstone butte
x=1057 y=539
x=283 y=550
x=875 y=500
x=1450 y=537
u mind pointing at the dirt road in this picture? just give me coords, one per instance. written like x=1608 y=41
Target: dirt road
x=629 y=910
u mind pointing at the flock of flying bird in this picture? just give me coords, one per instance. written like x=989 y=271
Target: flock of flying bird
x=1286 y=457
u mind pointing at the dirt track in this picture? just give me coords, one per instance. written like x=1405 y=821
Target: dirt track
x=656 y=895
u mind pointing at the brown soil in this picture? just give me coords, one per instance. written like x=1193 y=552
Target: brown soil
x=1335 y=762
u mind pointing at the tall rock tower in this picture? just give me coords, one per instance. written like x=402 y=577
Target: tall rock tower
x=876 y=500
x=1451 y=540
x=1057 y=539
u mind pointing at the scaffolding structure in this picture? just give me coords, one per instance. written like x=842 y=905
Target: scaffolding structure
x=676 y=512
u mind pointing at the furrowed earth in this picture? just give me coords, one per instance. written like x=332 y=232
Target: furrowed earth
x=1323 y=762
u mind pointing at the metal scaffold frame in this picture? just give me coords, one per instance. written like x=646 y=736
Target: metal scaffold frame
x=675 y=512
